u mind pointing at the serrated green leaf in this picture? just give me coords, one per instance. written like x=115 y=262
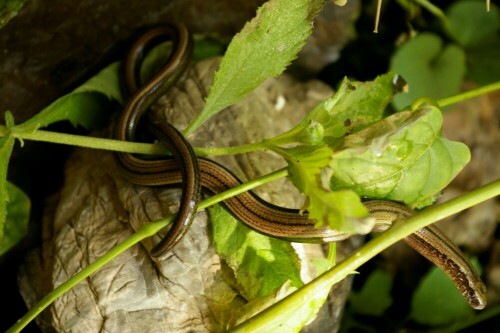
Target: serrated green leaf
x=84 y=106
x=471 y=24
x=375 y=295
x=8 y=10
x=437 y=302
x=430 y=68
x=6 y=146
x=260 y=264
x=402 y=158
x=18 y=212
x=340 y=210
x=263 y=48
x=305 y=164
x=354 y=106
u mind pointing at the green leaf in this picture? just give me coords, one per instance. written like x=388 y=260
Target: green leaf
x=336 y=116
x=305 y=164
x=403 y=158
x=292 y=319
x=18 y=212
x=471 y=24
x=6 y=145
x=8 y=10
x=481 y=40
x=260 y=264
x=482 y=62
x=83 y=106
x=430 y=68
x=308 y=167
x=375 y=296
x=263 y=48
x=437 y=301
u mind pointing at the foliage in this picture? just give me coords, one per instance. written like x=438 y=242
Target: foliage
x=8 y=10
x=349 y=146
x=18 y=212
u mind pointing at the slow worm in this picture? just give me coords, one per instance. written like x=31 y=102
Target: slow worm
x=141 y=99
x=189 y=172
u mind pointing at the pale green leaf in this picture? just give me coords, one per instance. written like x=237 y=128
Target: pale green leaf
x=402 y=158
x=308 y=167
x=340 y=210
x=263 y=48
x=430 y=68
x=354 y=106
x=260 y=264
x=305 y=164
x=18 y=212
x=292 y=318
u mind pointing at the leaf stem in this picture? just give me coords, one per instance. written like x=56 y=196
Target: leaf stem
x=436 y=11
x=147 y=230
x=157 y=149
x=89 y=142
x=469 y=94
x=399 y=231
x=124 y=146
x=213 y=151
x=243 y=188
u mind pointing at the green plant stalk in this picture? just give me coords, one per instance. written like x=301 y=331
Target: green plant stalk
x=150 y=229
x=89 y=142
x=280 y=310
x=147 y=230
x=436 y=11
x=123 y=146
x=399 y=231
x=217 y=151
x=332 y=253
x=469 y=94
x=156 y=149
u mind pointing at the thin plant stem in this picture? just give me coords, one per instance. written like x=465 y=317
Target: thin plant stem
x=214 y=151
x=157 y=149
x=147 y=230
x=436 y=11
x=469 y=94
x=93 y=142
x=281 y=310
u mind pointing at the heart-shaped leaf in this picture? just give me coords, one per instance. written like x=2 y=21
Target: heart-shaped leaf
x=430 y=68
